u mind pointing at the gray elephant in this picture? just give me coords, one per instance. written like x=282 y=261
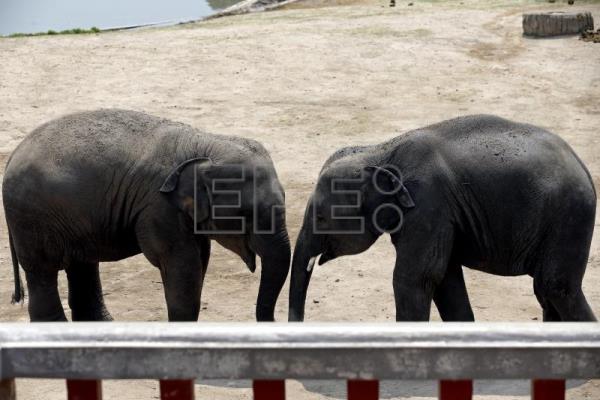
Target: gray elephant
x=479 y=191
x=108 y=184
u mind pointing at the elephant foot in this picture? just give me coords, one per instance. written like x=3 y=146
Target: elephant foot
x=58 y=317
x=93 y=315
x=106 y=317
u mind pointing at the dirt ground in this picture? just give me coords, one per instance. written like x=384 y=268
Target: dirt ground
x=305 y=81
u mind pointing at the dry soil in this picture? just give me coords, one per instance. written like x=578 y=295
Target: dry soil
x=306 y=80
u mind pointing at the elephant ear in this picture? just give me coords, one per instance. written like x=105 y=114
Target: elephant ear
x=389 y=182
x=186 y=190
x=384 y=197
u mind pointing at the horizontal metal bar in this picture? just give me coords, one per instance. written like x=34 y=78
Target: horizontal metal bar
x=300 y=351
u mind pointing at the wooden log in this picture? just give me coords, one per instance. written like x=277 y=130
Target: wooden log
x=557 y=23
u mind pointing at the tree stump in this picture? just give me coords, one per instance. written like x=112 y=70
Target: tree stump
x=557 y=23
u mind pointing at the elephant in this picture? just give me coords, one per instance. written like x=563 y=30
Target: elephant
x=478 y=191
x=108 y=184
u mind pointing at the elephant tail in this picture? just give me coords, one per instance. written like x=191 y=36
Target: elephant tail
x=19 y=293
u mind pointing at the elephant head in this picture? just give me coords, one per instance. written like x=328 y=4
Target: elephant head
x=349 y=209
x=241 y=206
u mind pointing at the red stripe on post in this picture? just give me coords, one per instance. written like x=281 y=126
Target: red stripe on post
x=456 y=390
x=268 y=389
x=84 y=389
x=7 y=389
x=363 y=390
x=177 y=389
x=548 y=389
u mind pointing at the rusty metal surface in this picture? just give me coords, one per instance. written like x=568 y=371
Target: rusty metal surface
x=300 y=351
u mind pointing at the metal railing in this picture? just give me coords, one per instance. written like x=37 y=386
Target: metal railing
x=362 y=354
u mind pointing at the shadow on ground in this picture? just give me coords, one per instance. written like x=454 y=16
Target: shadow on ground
x=401 y=389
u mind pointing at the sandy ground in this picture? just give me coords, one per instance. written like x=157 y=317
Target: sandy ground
x=305 y=81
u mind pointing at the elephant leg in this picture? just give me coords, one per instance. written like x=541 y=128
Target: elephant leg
x=559 y=273
x=451 y=297
x=413 y=297
x=572 y=306
x=182 y=272
x=183 y=277
x=421 y=264
x=44 y=300
x=565 y=305
x=412 y=303
x=85 y=293
x=182 y=282
x=550 y=314
x=560 y=295
x=182 y=258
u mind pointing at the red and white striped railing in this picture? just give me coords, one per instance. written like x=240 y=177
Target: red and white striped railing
x=362 y=354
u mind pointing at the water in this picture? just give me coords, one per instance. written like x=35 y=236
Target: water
x=31 y=16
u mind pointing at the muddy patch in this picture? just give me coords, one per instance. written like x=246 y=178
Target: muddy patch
x=509 y=44
x=384 y=31
x=493 y=51
x=588 y=103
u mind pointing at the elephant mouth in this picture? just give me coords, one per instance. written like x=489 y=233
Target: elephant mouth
x=249 y=257
x=327 y=255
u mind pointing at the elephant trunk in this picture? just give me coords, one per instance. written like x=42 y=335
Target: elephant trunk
x=302 y=264
x=275 y=254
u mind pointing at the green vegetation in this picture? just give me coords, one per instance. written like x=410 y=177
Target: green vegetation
x=74 y=31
